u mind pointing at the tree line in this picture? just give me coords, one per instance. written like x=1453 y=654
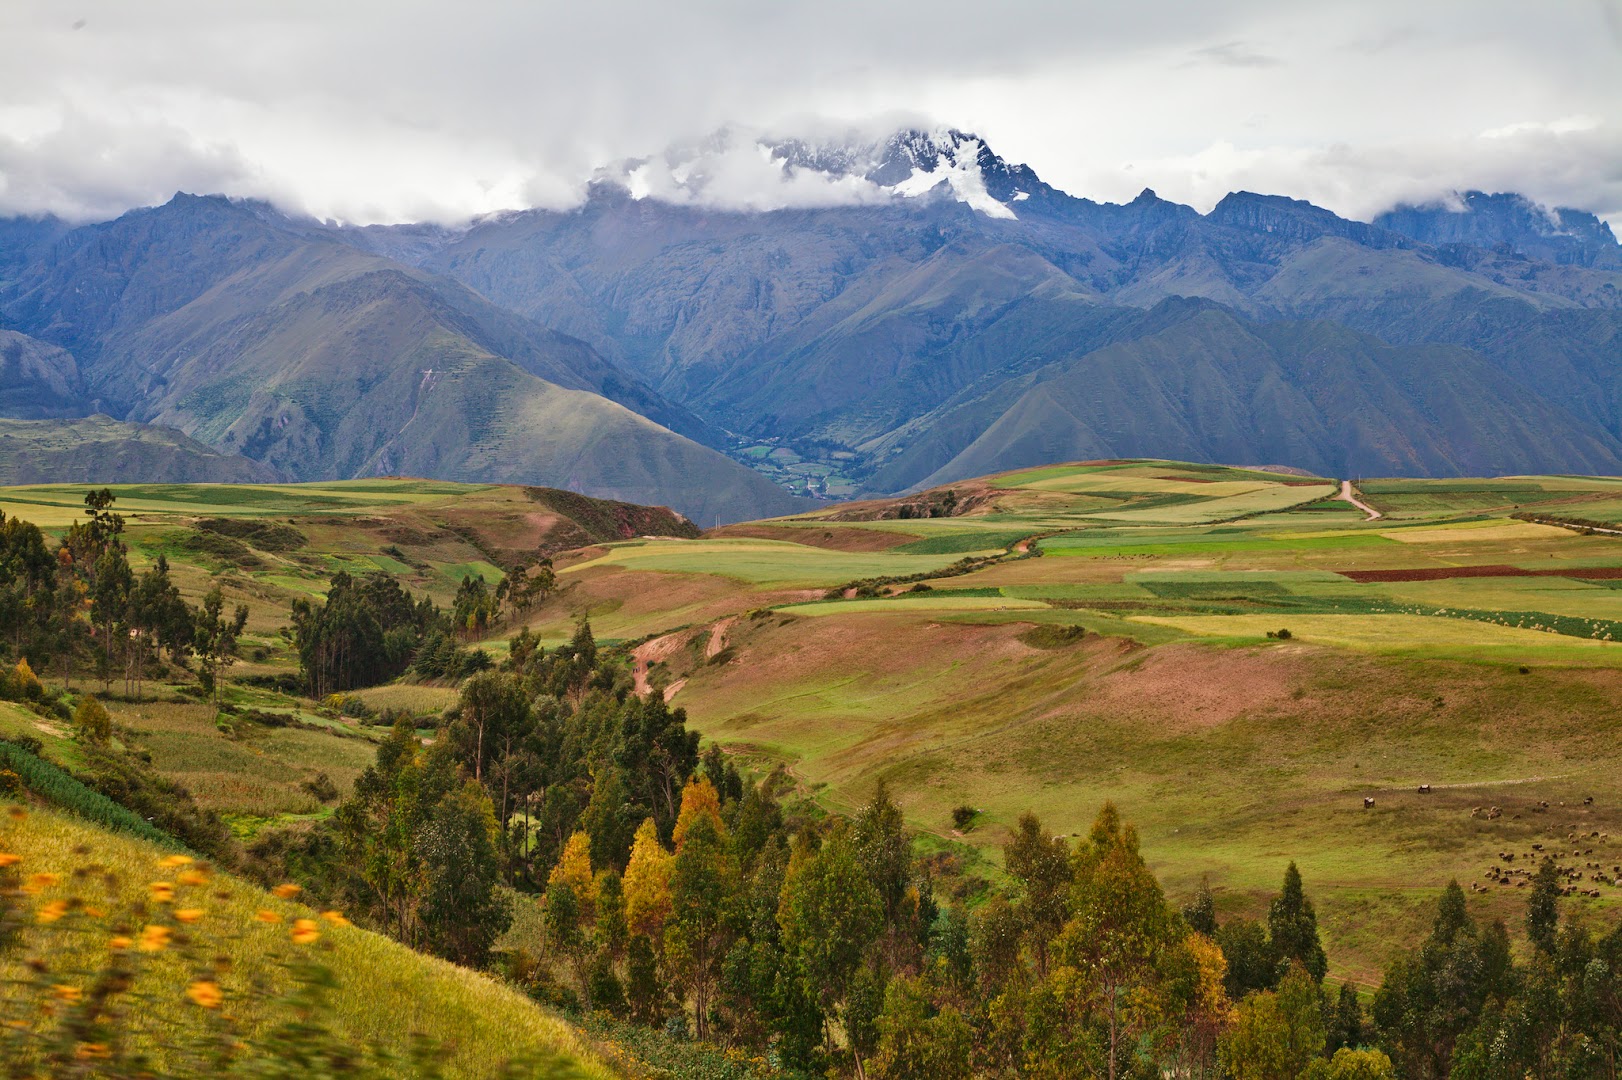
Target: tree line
x=678 y=894
x=77 y=602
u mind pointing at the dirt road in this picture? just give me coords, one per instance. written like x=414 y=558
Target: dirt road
x=1347 y=495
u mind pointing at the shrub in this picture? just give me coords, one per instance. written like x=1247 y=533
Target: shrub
x=321 y=787
x=963 y=817
x=1052 y=637
x=26 y=682
x=90 y=719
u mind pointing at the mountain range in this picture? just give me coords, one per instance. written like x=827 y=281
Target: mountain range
x=875 y=316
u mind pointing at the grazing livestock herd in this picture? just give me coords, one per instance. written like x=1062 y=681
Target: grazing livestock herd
x=1581 y=868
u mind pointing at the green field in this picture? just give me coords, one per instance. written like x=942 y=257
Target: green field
x=804 y=643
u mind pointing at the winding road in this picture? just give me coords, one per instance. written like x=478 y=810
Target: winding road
x=1347 y=495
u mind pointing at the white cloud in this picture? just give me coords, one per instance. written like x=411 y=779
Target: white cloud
x=366 y=110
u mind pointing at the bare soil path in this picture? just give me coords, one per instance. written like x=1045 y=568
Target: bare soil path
x=1348 y=495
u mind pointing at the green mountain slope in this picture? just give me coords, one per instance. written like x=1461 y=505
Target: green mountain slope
x=37 y=380
x=101 y=450
x=263 y=338
x=386 y=992
x=1314 y=395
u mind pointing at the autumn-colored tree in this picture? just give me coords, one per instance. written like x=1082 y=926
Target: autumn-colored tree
x=1207 y=1010
x=91 y=720
x=573 y=872
x=698 y=799
x=647 y=884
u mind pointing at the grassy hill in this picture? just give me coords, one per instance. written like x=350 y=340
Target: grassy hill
x=100 y=450
x=1448 y=643
x=386 y=994
x=1464 y=639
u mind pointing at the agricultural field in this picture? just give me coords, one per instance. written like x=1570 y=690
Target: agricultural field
x=1237 y=658
x=1258 y=657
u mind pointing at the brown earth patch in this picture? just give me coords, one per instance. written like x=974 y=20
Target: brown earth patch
x=1442 y=573
x=1189 y=688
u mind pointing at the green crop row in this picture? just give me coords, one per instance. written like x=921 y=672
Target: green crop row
x=62 y=790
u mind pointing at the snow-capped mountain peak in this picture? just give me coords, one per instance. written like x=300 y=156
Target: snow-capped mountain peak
x=738 y=169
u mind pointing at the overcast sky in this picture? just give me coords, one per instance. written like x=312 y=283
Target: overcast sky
x=389 y=110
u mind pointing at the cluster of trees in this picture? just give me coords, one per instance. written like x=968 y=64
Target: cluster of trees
x=1461 y=1006
x=551 y=740
x=678 y=894
x=79 y=599
x=365 y=632
x=369 y=630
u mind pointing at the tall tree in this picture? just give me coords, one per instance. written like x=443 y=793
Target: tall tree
x=1292 y=927
x=215 y=641
x=1115 y=946
x=647 y=884
x=462 y=911
x=1543 y=908
x=704 y=893
x=1040 y=865
x=830 y=914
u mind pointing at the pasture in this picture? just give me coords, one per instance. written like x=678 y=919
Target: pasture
x=915 y=641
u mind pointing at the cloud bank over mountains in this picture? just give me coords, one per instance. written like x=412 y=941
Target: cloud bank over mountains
x=369 y=111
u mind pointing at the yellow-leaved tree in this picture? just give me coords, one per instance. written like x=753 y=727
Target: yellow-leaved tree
x=647 y=884
x=697 y=798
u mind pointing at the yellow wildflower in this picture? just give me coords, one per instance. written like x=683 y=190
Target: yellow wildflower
x=8 y=859
x=155 y=938
x=336 y=918
x=120 y=943
x=268 y=917
x=304 y=932
x=92 y=1051
x=205 y=992
x=162 y=892
x=69 y=994
x=38 y=883
x=52 y=911
x=193 y=877
x=170 y=862
x=287 y=890
x=189 y=914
